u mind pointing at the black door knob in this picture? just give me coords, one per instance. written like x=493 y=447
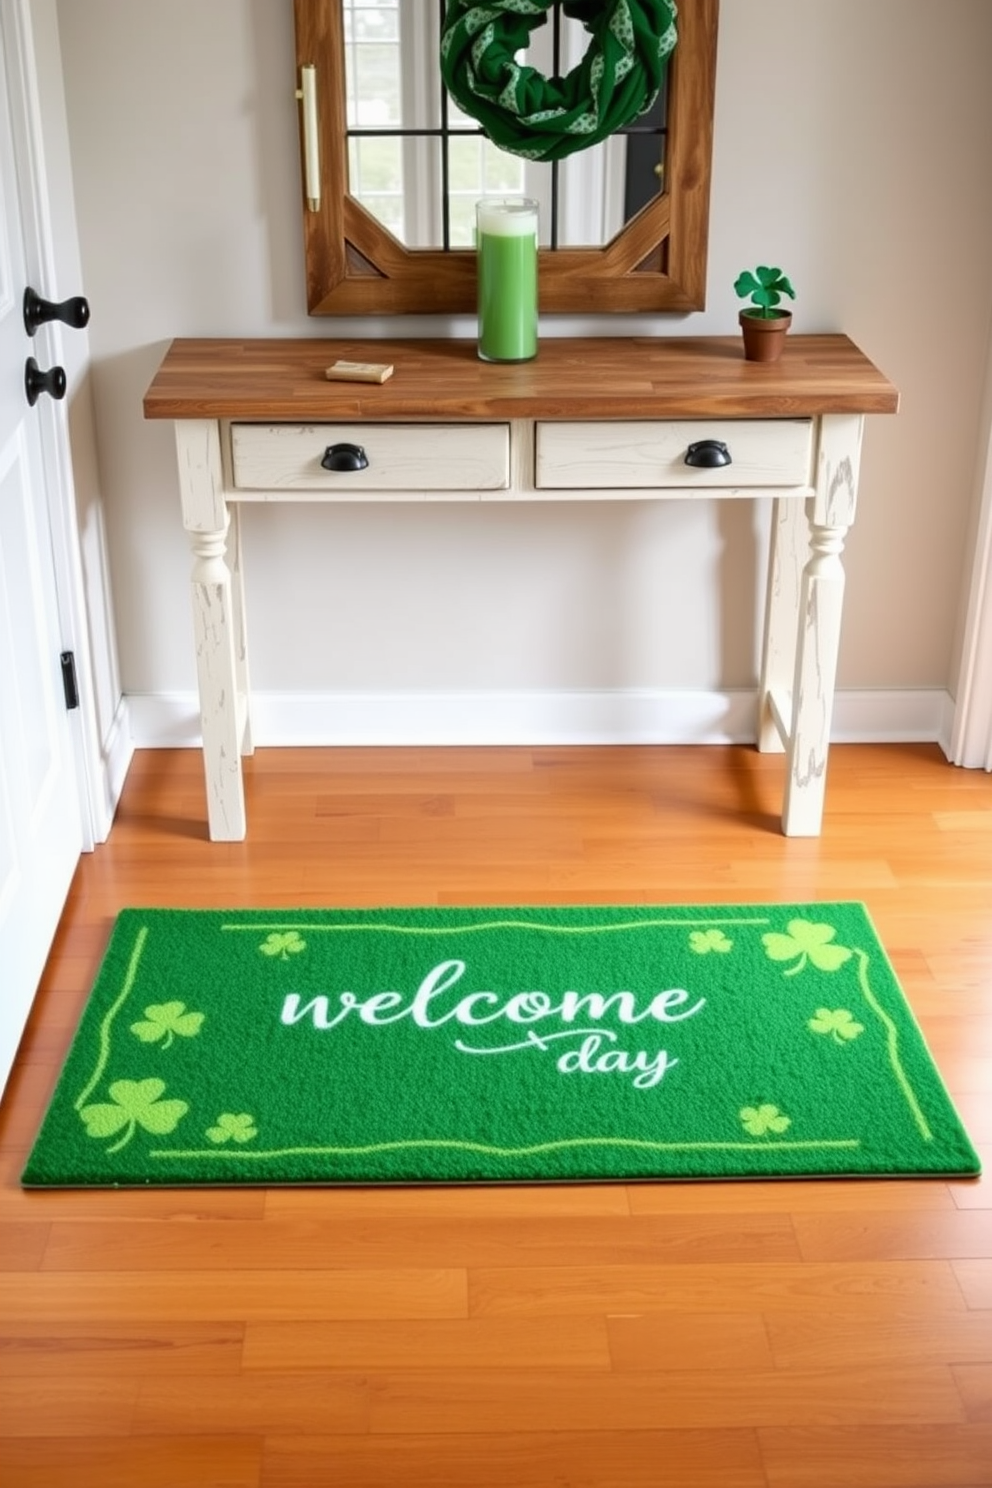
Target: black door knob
x=37 y=382
x=74 y=312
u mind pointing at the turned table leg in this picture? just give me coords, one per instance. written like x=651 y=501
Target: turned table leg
x=218 y=628
x=789 y=550
x=821 y=595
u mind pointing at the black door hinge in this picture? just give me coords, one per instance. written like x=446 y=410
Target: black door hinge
x=69 y=680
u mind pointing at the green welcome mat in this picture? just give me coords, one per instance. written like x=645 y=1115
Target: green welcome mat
x=479 y=1045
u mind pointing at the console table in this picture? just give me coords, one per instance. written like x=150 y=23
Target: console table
x=589 y=419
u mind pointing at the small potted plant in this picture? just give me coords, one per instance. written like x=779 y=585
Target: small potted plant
x=763 y=324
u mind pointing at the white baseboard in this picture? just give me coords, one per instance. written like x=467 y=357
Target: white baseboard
x=109 y=771
x=118 y=749
x=171 y=720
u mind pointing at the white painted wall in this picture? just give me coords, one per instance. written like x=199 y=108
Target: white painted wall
x=859 y=162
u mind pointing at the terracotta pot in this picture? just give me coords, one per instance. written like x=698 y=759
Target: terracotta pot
x=764 y=337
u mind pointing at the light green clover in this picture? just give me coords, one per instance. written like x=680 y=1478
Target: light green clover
x=133 y=1103
x=704 y=941
x=283 y=943
x=760 y=1120
x=838 y=1023
x=806 y=941
x=166 y=1019
x=231 y=1128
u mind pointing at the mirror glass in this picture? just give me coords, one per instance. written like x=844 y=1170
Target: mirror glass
x=418 y=165
x=396 y=170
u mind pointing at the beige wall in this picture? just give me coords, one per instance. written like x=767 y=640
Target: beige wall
x=853 y=147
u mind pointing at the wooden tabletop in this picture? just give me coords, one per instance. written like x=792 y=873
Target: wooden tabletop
x=571 y=378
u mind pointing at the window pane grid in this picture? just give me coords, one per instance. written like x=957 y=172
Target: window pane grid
x=469 y=167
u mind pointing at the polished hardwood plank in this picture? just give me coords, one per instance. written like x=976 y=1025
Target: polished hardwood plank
x=908 y=1456
x=226 y=1295
x=107 y=1349
x=689 y=1341
x=712 y=1458
x=273 y=1403
x=462 y=1343
x=92 y=1461
x=798 y=1197
x=66 y=1405
x=858 y=1290
x=805 y=1341
x=975 y=1281
x=437 y=1244
x=23 y=1246
x=895 y=1237
x=491 y=1400
x=974 y=1382
x=747 y=1335
x=499 y=1203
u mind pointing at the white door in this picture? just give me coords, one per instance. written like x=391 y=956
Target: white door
x=41 y=831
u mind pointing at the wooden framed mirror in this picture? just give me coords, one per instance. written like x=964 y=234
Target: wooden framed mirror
x=376 y=162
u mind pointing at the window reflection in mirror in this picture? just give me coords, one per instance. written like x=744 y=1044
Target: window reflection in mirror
x=418 y=164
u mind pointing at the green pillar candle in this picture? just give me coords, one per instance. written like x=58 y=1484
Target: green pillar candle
x=507 y=263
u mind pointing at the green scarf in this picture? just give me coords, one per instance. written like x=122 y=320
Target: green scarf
x=547 y=118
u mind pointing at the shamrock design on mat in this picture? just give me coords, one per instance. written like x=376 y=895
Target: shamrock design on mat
x=763 y=1120
x=231 y=1128
x=167 y=1021
x=133 y=1103
x=283 y=943
x=704 y=941
x=837 y=1023
x=806 y=942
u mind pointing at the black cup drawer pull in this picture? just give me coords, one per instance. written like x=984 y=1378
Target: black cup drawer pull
x=708 y=454
x=345 y=457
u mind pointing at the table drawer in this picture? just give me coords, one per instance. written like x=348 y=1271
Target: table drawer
x=401 y=457
x=587 y=456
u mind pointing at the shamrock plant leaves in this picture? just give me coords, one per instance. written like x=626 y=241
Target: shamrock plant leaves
x=806 y=943
x=167 y=1021
x=133 y=1104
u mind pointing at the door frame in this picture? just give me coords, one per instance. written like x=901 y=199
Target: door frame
x=60 y=491
x=971 y=731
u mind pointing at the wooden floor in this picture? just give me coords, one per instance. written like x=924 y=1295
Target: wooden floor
x=733 y=1334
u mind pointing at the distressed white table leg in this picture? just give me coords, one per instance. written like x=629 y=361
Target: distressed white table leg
x=240 y=627
x=206 y=519
x=788 y=551
x=831 y=511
